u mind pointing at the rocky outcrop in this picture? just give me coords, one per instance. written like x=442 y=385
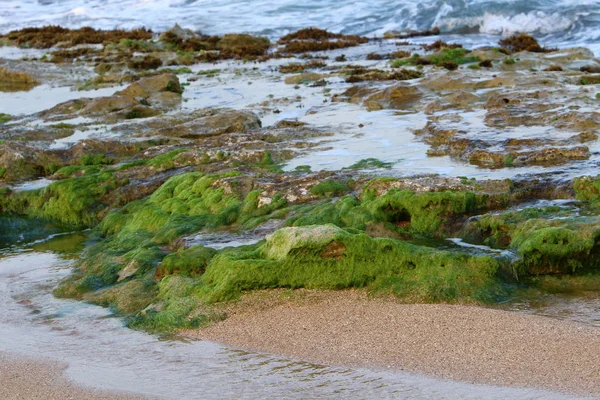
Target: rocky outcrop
x=148 y=97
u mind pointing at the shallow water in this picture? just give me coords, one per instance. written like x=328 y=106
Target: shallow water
x=583 y=307
x=43 y=97
x=102 y=352
x=353 y=133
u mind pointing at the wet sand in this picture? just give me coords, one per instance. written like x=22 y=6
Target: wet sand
x=467 y=343
x=24 y=378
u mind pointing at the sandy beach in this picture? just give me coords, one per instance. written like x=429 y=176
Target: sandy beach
x=464 y=343
x=24 y=379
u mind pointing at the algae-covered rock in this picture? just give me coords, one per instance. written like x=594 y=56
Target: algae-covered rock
x=281 y=242
x=243 y=46
x=587 y=188
x=20 y=162
x=314 y=39
x=326 y=257
x=550 y=248
x=188 y=262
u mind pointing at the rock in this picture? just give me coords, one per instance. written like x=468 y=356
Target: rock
x=176 y=32
x=487 y=54
x=486 y=159
x=459 y=99
x=397 y=97
x=446 y=82
x=585 y=137
x=217 y=122
x=566 y=56
x=284 y=240
x=303 y=78
x=592 y=68
x=128 y=271
x=146 y=98
x=592 y=79
x=21 y=162
x=152 y=85
x=107 y=105
x=552 y=155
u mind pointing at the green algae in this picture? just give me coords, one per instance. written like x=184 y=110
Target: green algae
x=548 y=240
x=421 y=213
x=457 y=55
x=446 y=56
x=370 y=163
x=587 y=188
x=74 y=201
x=186 y=262
x=329 y=188
x=328 y=257
x=378 y=240
x=95 y=159
x=267 y=163
x=555 y=247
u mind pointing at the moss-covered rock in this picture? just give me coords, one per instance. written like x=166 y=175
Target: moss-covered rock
x=328 y=257
x=187 y=262
x=410 y=212
x=550 y=240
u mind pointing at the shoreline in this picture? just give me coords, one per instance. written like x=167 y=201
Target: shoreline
x=455 y=342
x=26 y=377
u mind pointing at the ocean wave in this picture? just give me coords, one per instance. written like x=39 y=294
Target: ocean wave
x=557 y=20
x=499 y=24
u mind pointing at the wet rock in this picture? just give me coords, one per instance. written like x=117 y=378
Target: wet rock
x=107 y=105
x=446 y=83
x=488 y=54
x=567 y=56
x=177 y=32
x=290 y=123
x=591 y=79
x=459 y=99
x=148 y=97
x=552 y=155
x=591 y=68
x=129 y=270
x=305 y=77
x=398 y=97
x=216 y=122
x=152 y=85
x=406 y=34
x=585 y=137
x=21 y=162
